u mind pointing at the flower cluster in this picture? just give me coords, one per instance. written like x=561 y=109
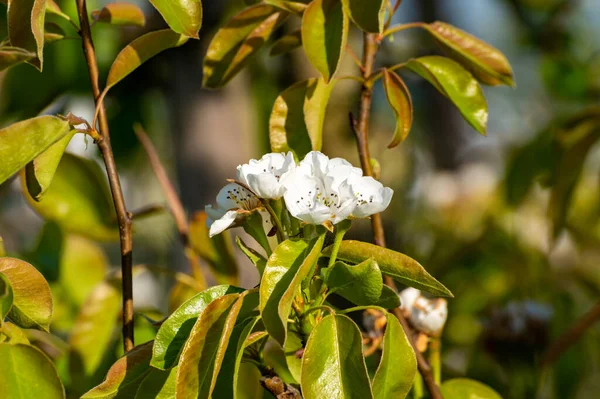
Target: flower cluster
x=426 y=315
x=317 y=190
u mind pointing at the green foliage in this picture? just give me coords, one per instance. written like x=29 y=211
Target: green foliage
x=183 y=16
x=368 y=15
x=399 y=99
x=26 y=27
x=463 y=388
x=120 y=14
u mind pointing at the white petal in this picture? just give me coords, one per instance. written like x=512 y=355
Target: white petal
x=265 y=185
x=408 y=297
x=223 y=223
x=372 y=196
x=314 y=163
x=429 y=315
x=213 y=214
x=234 y=196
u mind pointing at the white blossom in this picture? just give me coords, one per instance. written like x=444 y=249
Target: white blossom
x=263 y=176
x=426 y=315
x=234 y=202
x=371 y=196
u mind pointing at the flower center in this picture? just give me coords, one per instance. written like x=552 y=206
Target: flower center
x=243 y=198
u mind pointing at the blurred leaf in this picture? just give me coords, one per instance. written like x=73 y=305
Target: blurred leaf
x=6 y=297
x=2 y=250
x=26 y=27
x=287 y=43
x=141 y=50
x=182 y=16
x=464 y=388
x=180 y=293
x=399 y=99
x=240 y=38
x=32 y=300
x=287 y=267
x=291 y=6
x=361 y=284
x=398 y=365
x=53 y=32
x=125 y=376
x=21 y=142
x=40 y=172
x=26 y=373
x=324 y=35
x=485 y=62
x=257 y=259
x=333 y=365
x=78 y=199
x=158 y=384
x=297 y=118
x=12 y=334
x=276 y=359
x=174 y=332
x=457 y=84
x=11 y=56
x=120 y=14
x=53 y=8
x=394 y=264
x=216 y=251
x=248 y=384
x=369 y=15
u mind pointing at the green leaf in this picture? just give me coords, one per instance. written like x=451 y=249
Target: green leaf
x=248 y=385
x=333 y=365
x=253 y=225
x=295 y=7
x=141 y=50
x=287 y=267
x=240 y=38
x=174 y=332
x=21 y=142
x=287 y=43
x=389 y=298
x=203 y=353
x=25 y=373
x=53 y=32
x=293 y=343
x=53 y=8
x=2 y=250
x=296 y=122
x=125 y=376
x=361 y=284
x=399 y=99
x=257 y=259
x=485 y=62
x=12 y=334
x=182 y=16
x=398 y=365
x=158 y=384
x=120 y=14
x=26 y=27
x=369 y=15
x=457 y=84
x=11 y=56
x=464 y=388
x=32 y=300
x=324 y=35
x=394 y=264
x=6 y=296
x=40 y=172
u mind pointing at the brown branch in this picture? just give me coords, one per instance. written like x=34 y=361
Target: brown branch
x=279 y=389
x=174 y=203
x=361 y=131
x=572 y=335
x=123 y=217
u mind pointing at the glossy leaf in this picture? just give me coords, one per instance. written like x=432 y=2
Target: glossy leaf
x=398 y=365
x=291 y=6
x=240 y=38
x=293 y=344
x=361 y=284
x=484 y=61
x=25 y=373
x=333 y=365
x=394 y=264
x=53 y=32
x=21 y=142
x=324 y=35
x=464 y=388
x=297 y=118
x=125 y=375
x=32 y=300
x=6 y=296
x=369 y=15
x=26 y=27
x=158 y=384
x=457 y=84
x=399 y=99
x=141 y=50
x=182 y=16
x=78 y=199
x=11 y=56
x=287 y=43
x=287 y=267
x=120 y=14
x=174 y=332
x=257 y=259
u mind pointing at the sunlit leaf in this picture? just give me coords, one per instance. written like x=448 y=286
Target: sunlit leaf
x=287 y=267
x=120 y=14
x=484 y=61
x=11 y=56
x=6 y=296
x=32 y=300
x=26 y=373
x=399 y=99
x=26 y=27
x=53 y=32
x=21 y=142
x=287 y=43
x=291 y=6
x=182 y=16
x=394 y=264
x=333 y=365
x=240 y=38
x=324 y=35
x=13 y=334
x=296 y=122
x=158 y=384
x=248 y=384
x=294 y=344
x=464 y=388
x=53 y=8
x=361 y=284
x=398 y=365
x=257 y=259
x=457 y=84
x=369 y=15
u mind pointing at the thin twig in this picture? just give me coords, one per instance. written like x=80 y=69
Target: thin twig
x=361 y=131
x=123 y=217
x=148 y=210
x=174 y=203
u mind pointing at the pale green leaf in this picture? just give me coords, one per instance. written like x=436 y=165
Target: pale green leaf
x=120 y=14
x=182 y=16
x=368 y=15
x=26 y=27
x=399 y=99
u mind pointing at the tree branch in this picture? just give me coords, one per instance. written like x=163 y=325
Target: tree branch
x=123 y=217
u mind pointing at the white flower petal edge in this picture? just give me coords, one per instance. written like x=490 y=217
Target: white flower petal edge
x=233 y=203
x=264 y=176
x=372 y=197
x=429 y=315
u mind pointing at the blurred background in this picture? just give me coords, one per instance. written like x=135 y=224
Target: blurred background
x=508 y=222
